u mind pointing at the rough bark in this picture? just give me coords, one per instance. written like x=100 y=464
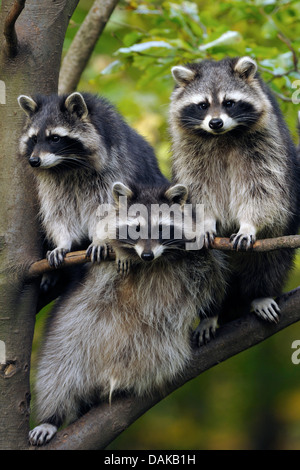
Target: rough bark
x=31 y=42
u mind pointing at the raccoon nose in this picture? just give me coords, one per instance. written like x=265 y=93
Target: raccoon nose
x=216 y=123
x=147 y=255
x=35 y=161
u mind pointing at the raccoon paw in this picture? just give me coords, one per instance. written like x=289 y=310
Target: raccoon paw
x=205 y=331
x=97 y=253
x=56 y=257
x=49 y=280
x=209 y=238
x=266 y=308
x=42 y=434
x=242 y=241
x=123 y=265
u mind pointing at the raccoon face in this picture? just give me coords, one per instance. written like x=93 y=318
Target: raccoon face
x=150 y=229
x=214 y=98
x=57 y=132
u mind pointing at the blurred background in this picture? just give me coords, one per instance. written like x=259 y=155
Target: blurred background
x=252 y=401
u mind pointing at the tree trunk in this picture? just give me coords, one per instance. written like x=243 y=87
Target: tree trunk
x=30 y=56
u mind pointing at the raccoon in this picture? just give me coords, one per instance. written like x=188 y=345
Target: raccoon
x=232 y=148
x=127 y=333
x=78 y=145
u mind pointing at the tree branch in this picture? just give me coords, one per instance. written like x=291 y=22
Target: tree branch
x=102 y=424
x=289 y=45
x=79 y=257
x=11 y=39
x=83 y=44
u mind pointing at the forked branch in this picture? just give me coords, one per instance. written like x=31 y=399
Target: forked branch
x=11 y=44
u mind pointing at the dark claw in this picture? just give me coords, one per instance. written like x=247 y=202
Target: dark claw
x=205 y=331
x=212 y=333
x=89 y=251
x=241 y=242
x=97 y=253
x=202 y=339
x=235 y=240
x=123 y=267
x=56 y=257
x=49 y=280
x=269 y=312
x=209 y=238
x=195 y=339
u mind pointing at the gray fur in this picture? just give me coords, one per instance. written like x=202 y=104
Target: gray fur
x=244 y=171
x=75 y=176
x=125 y=333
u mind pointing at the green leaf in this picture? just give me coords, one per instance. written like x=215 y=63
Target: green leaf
x=155 y=72
x=226 y=39
x=113 y=67
x=269 y=29
x=145 y=46
x=131 y=38
x=185 y=16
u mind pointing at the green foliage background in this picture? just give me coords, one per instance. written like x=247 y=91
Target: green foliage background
x=251 y=401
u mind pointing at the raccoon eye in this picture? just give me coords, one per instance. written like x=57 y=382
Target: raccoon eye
x=34 y=139
x=229 y=104
x=203 y=105
x=54 y=138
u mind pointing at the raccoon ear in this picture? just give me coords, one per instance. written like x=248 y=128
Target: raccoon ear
x=28 y=105
x=119 y=189
x=177 y=194
x=246 y=67
x=75 y=104
x=182 y=75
